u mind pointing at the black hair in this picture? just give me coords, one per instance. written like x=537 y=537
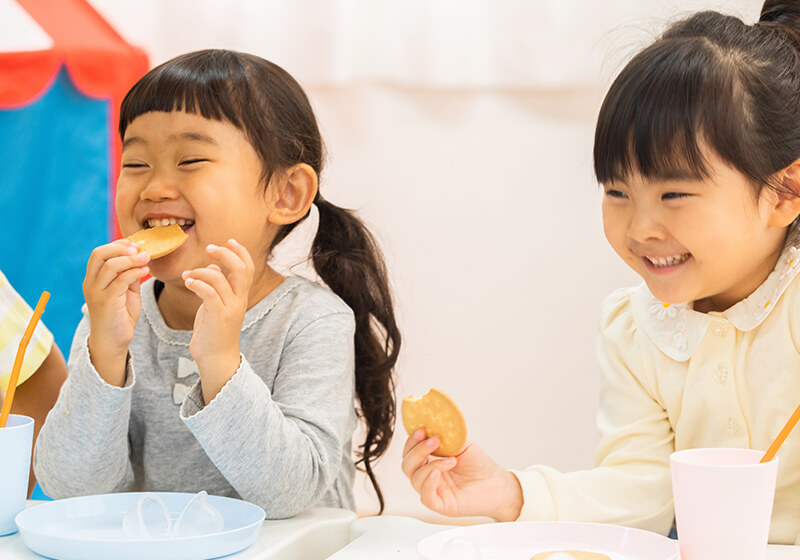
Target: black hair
x=709 y=82
x=272 y=110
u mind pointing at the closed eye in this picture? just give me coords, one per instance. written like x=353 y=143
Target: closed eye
x=674 y=195
x=133 y=165
x=192 y=161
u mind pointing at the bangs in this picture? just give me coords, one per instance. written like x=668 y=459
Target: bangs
x=203 y=83
x=664 y=110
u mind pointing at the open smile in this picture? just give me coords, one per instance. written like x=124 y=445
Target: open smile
x=666 y=263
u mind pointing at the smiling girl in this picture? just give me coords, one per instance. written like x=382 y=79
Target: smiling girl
x=697 y=147
x=218 y=373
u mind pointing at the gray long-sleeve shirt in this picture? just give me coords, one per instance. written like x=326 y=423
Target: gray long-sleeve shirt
x=278 y=433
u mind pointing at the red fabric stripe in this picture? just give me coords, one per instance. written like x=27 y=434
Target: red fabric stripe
x=25 y=76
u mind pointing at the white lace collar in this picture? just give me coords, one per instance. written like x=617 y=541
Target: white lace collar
x=678 y=329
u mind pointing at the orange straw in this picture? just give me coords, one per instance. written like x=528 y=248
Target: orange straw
x=773 y=449
x=23 y=344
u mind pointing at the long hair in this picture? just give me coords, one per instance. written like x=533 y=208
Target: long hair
x=709 y=82
x=272 y=110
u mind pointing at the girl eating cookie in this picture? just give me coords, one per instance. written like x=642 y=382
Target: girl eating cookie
x=219 y=373
x=697 y=148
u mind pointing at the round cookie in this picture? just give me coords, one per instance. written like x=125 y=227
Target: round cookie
x=569 y=555
x=439 y=416
x=160 y=240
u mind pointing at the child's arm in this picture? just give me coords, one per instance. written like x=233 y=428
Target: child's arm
x=37 y=395
x=283 y=448
x=630 y=484
x=83 y=446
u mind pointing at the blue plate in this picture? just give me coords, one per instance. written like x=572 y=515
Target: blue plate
x=90 y=528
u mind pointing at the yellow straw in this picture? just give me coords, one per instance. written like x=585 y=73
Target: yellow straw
x=773 y=449
x=23 y=344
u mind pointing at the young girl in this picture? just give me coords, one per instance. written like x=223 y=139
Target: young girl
x=219 y=374
x=697 y=148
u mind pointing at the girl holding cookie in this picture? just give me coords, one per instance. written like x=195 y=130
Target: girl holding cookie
x=218 y=373
x=697 y=148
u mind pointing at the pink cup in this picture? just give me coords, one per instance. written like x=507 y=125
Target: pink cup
x=723 y=503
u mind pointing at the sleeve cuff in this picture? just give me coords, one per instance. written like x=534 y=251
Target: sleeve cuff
x=537 y=501
x=193 y=405
x=95 y=378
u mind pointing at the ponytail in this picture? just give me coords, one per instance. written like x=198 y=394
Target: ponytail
x=784 y=16
x=782 y=12
x=347 y=258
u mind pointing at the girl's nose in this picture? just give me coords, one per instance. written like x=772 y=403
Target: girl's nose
x=159 y=187
x=645 y=226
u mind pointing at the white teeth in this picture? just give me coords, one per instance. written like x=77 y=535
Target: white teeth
x=667 y=261
x=167 y=221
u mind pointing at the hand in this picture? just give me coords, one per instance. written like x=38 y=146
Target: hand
x=470 y=483
x=111 y=289
x=218 y=322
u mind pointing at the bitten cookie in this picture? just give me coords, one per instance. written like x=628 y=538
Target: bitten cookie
x=160 y=240
x=439 y=415
x=569 y=555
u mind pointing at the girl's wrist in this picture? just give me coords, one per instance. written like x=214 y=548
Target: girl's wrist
x=216 y=372
x=512 y=499
x=110 y=365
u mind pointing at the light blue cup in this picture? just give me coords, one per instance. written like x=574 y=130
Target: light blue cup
x=16 y=440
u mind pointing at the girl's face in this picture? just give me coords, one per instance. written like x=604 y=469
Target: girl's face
x=707 y=241
x=201 y=173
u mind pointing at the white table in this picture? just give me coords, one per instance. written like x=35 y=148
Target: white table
x=312 y=535
x=397 y=537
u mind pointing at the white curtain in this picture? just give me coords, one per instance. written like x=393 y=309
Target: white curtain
x=443 y=44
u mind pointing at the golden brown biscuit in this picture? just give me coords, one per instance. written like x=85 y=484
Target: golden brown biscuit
x=566 y=554
x=160 y=240
x=439 y=415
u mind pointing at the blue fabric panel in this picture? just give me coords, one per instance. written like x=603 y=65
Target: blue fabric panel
x=54 y=179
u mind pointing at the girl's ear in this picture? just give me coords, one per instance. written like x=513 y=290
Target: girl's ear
x=786 y=203
x=293 y=193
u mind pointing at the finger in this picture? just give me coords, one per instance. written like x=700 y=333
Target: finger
x=439 y=465
x=236 y=260
x=214 y=278
x=115 y=266
x=429 y=493
x=250 y=267
x=437 y=494
x=242 y=252
x=204 y=291
x=126 y=279
x=418 y=455
x=136 y=287
x=101 y=254
x=413 y=440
